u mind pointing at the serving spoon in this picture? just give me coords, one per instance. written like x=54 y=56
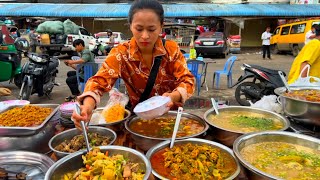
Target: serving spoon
x=284 y=80
x=176 y=126
x=214 y=105
x=84 y=130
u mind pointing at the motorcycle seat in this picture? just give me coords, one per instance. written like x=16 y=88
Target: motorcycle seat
x=269 y=71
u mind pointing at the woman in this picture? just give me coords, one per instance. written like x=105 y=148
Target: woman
x=132 y=61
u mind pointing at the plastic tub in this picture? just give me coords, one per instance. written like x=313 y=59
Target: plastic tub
x=152 y=108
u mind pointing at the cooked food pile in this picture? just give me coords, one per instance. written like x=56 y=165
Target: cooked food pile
x=78 y=142
x=284 y=160
x=245 y=122
x=162 y=127
x=307 y=95
x=114 y=113
x=193 y=161
x=101 y=166
x=27 y=116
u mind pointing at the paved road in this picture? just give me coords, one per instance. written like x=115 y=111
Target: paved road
x=279 y=62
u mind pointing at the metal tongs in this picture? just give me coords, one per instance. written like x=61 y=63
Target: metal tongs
x=83 y=126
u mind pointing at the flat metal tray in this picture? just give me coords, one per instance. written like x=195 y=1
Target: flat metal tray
x=25 y=131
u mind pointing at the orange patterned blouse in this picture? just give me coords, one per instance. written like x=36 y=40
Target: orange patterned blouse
x=124 y=61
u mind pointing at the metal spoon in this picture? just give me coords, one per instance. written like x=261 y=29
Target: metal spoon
x=84 y=130
x=214 y=105
x=284 y=80
x=176 y=126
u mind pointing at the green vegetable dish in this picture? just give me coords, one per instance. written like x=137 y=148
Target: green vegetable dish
x=284 y=160
x=245 y=122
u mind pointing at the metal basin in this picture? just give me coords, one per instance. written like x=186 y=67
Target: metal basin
x=74 y=161
x=165 y=144
x=146 y=142
x=300 y=110
x=69 y=134
x=116 y=126
x=35 y=165
x=226 y=136
x=270 y=136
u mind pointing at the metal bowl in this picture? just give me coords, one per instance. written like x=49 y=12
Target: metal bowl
x=165 y=144
x=35 y=165
x=300 y=110
x=267 y=136
x=69 y=134
x=227 y=137
x=146 y=142
x=116 y=126
x=74 y=161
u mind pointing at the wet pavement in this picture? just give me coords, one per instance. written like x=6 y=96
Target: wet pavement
x=197 y=104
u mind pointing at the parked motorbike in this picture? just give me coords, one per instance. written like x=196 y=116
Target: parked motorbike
x=38 y=75
x=262 y=82
x=10 y=59
x=99 y=49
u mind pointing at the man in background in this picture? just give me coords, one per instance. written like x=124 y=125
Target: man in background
x=266 y=43
x=310 y=34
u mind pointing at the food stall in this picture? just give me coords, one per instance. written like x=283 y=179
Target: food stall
x=49 y=145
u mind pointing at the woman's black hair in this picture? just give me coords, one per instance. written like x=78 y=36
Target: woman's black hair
x=78 y=42
x=146 y=4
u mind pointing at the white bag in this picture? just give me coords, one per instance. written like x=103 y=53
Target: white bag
x=306 y=81
x=269 y=103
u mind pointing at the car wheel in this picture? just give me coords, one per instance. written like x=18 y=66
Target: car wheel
x=295 y=50
x=275 y=49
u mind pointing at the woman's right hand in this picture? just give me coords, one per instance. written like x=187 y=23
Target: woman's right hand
x=86 y=113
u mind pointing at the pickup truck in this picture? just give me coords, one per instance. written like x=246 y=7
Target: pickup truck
x=62 y=43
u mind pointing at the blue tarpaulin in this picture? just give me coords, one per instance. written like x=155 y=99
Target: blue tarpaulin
x=120 y=10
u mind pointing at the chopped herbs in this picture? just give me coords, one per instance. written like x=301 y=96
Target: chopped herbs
x=247 y=121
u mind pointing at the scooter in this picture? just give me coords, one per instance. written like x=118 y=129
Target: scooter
x=10 y=59
x=38 y=75
x=262 y=82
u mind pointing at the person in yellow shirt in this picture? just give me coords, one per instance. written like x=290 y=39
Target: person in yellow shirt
x=309 y=55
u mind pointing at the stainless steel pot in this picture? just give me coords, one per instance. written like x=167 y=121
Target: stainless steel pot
x=269 y=136
x=300 y=110
x=35 y=165
x=227 y=137
x=116 y=126
x=74 y=161
x=145 y=142
x=69 y=134
x=165 y=144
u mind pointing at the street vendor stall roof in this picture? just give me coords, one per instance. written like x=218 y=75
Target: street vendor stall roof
x=120 y=10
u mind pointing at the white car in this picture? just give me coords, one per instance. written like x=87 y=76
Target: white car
x=104 y=40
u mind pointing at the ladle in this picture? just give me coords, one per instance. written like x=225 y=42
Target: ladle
x=84 y=130
x=176 y=126
x=284 y=80
x=214 y=105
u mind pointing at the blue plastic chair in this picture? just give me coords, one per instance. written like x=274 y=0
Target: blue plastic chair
x=89 y=69
x=227 y=70
x=194 y=66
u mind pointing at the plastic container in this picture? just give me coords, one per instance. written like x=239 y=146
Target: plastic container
x=152 y=108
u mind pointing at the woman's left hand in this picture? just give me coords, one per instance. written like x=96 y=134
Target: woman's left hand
x=175 y=97
x=170 y=104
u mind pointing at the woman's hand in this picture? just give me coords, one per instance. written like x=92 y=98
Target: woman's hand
x=175 y=97
x=86 y=113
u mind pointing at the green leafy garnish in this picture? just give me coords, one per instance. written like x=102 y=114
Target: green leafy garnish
x=255 y=122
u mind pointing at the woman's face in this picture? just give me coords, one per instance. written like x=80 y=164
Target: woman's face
x=146 y=28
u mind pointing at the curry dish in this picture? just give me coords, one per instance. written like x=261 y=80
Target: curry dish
x=101 y=166
x=284 y=160
x=306 y=94
x=163 y=127
x=193 y=161
x=245 y=122
x=27 y=116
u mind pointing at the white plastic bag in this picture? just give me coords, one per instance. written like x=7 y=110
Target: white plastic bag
x=269 y=103
x=306 y=81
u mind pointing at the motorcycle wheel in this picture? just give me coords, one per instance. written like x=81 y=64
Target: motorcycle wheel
x=26 y=92
x=243 y=98
x=18 y=80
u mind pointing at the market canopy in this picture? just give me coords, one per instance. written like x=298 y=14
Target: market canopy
x=120 y=10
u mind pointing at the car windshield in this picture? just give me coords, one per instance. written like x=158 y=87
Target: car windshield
x=105 y=35
x=211 y=35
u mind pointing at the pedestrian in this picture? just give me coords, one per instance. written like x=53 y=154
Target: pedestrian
x=110 y=44
x=33 y=37
x=309 y=55
x=310 y=34
x=85 y=56
x=147 y=64
x=266 y=43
